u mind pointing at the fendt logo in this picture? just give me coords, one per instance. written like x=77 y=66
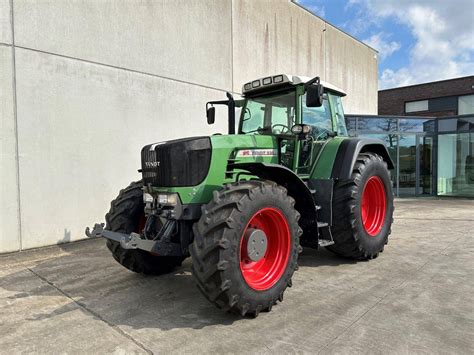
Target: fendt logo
x=152 y=164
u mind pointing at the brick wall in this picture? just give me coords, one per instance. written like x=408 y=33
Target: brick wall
x=392 y=101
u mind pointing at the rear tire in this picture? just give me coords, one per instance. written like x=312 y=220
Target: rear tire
x=222 y=269
x=126 y=215
x=363 y=209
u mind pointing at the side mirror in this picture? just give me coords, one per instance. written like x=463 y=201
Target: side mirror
x=301 y=130
x=314 y=93
x=314 y=96
x=211 y=115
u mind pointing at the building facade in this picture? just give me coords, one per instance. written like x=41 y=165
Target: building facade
x=85 y=84
x=432 y=156
x=437 y=99
x=429 y=132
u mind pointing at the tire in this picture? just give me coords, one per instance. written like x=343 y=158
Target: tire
x=368 y=192
x=126 y=215
x=221 y=267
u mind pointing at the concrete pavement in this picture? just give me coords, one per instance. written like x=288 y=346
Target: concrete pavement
x=417 y=297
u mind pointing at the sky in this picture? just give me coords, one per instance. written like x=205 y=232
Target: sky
x=418 y=40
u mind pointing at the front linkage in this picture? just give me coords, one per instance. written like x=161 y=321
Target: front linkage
x=159 y=245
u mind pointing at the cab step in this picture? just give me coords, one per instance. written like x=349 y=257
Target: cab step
x=325 y=242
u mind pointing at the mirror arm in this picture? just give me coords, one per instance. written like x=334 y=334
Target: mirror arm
x=231 y=109
x=312 y=81
x=230 y=103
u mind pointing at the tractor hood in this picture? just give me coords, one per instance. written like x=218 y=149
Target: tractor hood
x=196 y=166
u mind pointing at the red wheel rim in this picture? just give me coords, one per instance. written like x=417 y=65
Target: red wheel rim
x=264 y=273
x=374 y=205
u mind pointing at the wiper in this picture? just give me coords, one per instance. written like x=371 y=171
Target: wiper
x=261 y=130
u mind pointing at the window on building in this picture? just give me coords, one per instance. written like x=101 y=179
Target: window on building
x=351 y=123
x=415 y=106
x=379 y=124
x=416 y=125
x=465 y=105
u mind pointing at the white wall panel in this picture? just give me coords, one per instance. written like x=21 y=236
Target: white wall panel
x=5 y=24
x=81 y=128
x=189 y=40
x=97 y=80
x=9 y=228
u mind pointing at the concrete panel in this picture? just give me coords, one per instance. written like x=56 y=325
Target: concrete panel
x=81 y=128
x=185 y=40
x=9 y=229
x=272 y=37
x=5 y=24
x=352 y=66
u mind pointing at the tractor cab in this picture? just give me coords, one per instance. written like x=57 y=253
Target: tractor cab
x=300 y=112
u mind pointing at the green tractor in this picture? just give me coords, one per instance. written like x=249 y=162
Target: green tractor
x=242 y=205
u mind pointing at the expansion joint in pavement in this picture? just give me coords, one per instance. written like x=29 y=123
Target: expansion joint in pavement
x=399 y=285
x=91 y=312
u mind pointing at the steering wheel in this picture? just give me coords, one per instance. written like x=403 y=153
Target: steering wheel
x=284 y=130
x=247 y=111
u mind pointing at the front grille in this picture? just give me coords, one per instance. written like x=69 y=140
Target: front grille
x=182 y=162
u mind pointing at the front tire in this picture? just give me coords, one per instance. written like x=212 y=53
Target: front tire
x=127 y=215
x=228 y=269
x=363 y=209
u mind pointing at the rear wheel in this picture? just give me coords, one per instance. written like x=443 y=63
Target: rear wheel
x=127 y=215
x=246 y=246
x=363 y=209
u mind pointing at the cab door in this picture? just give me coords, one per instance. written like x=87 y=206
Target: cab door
x=322 y=128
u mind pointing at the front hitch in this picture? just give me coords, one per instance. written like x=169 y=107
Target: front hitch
x=161 y=245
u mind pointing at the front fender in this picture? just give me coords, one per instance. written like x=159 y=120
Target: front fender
x=288 y=179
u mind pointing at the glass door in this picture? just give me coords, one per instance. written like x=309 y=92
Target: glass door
x=424 y=162
x=407 y=158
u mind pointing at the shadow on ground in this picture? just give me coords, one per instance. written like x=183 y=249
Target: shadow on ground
x=89 y=277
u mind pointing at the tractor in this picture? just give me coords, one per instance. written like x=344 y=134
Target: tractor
x=244 y=204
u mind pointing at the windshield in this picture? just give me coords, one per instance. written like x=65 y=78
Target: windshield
x=274 y=114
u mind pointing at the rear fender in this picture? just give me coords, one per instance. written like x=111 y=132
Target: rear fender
x=349 y=150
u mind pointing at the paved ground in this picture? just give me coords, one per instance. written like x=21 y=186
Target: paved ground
x=417 y=297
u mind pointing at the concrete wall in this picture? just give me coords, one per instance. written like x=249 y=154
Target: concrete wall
x=85 y=84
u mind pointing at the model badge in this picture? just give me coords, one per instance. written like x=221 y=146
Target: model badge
x=152 y=164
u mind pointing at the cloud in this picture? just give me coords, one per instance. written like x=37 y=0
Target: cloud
x=443 y=33
x=381 y=43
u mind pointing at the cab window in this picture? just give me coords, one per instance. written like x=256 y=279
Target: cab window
x=319 y=118
x=336 y=103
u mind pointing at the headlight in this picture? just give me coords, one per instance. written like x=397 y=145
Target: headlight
x=168 y=199
x=147 y=198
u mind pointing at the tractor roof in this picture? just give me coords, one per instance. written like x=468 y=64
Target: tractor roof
x=281 y=80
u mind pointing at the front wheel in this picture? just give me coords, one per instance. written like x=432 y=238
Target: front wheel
x=127 y=215
x=246 y=246
x=363 y=209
